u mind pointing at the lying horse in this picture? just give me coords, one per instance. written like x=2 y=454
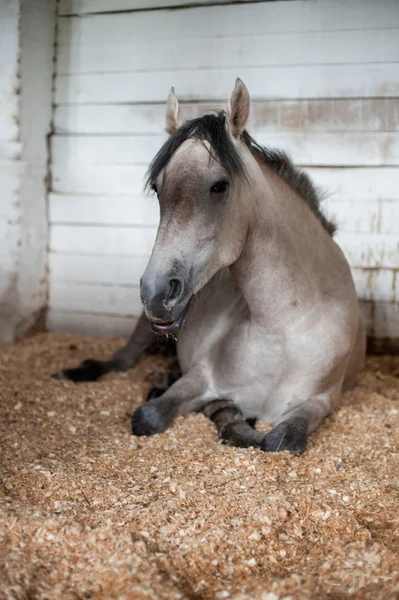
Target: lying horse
x=245 y=272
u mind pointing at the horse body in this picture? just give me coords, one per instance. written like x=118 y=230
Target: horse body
x=245 y=269
x=277 y=329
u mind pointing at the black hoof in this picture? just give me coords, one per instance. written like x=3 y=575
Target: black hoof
x=149 y=419
x=291 y=435
x=89 y=370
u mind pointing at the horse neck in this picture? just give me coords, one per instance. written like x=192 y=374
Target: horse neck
x=282 y=258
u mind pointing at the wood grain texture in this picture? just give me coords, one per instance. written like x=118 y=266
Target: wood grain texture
x=311 y=149
x=333 y=115
x=198 y=51
x=313 y=81
x=324 y=83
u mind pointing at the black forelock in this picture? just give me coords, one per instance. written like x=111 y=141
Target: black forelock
x=210 y=128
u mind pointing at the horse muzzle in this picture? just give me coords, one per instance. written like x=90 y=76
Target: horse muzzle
x=166 y=302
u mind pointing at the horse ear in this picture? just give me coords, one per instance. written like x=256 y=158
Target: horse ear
x=172 y=112
x=238 y=109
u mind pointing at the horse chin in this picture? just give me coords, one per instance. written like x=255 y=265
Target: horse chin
x=171 y=327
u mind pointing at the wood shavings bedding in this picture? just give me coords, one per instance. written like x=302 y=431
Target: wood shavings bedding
x=89 y=511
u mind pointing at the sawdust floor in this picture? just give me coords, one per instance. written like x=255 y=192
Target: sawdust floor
x=88 y=511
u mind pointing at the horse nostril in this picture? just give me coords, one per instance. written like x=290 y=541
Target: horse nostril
x=175 y=291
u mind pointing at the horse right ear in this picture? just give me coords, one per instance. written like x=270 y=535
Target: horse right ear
x=172 y=112
x=238 y=109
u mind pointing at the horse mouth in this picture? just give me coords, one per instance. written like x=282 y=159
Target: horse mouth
x=171 y=327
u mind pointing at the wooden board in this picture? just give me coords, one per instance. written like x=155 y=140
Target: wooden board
x=237 y=20
x=98 y=179
x=95 y=299
x=343 y=115
x=227 y=52
x=103 y=210
x=311 y=149
x=86 y=239
x=370 y=249
x=376 y=284
x=88 y=324
x=365 y=216
x=125 y=270
x=313 y=81
x=324 y=83
x=81 y=7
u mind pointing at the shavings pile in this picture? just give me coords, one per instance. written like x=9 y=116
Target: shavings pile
x=87 y=511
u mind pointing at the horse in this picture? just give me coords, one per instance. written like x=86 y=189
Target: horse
x=246 y=274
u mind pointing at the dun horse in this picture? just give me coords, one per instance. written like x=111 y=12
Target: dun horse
x=246 y=274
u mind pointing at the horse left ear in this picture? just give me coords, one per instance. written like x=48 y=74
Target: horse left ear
x=238 y=109
x=172 y=112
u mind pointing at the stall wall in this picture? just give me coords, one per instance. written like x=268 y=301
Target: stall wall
x=324 y=80
x=26 y=66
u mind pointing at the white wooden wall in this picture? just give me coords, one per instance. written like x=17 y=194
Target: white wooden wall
x=26 y=59
x=324 y=80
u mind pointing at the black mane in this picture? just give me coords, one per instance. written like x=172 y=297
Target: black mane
x=212 y=129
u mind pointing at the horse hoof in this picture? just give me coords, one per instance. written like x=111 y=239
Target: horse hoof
x=148 y=419
x=88 y=370
x=290 y=435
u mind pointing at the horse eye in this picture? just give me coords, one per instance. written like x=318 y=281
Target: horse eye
x=219 y=187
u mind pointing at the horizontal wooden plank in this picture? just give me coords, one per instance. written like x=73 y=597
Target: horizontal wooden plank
x=364 y=216
x=314 y=81
x=100 y=299
x=88 y=324
x=82 y=7
x=104 y=179
x=370 y=249
x=103 y=240
x=345 y=115
x=97 y=268
x=315 y=149
x=362 y=183
x=103 y=210
x=371 y=284
x=294 y=48
x=237 y=20
x=378 y=285
x=381 y=318
x=367 y=183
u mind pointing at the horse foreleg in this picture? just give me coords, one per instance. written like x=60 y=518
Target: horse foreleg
x=231 y=425
x=234 y=429
x=159 y=412
x=125 y=358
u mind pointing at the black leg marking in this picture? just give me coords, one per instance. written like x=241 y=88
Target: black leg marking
x=155 y=392
x=88 y=370
x=291 y=435
x=231 y=426
x=153 y=417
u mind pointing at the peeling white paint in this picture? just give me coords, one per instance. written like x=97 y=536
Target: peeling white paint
x=26 y=55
